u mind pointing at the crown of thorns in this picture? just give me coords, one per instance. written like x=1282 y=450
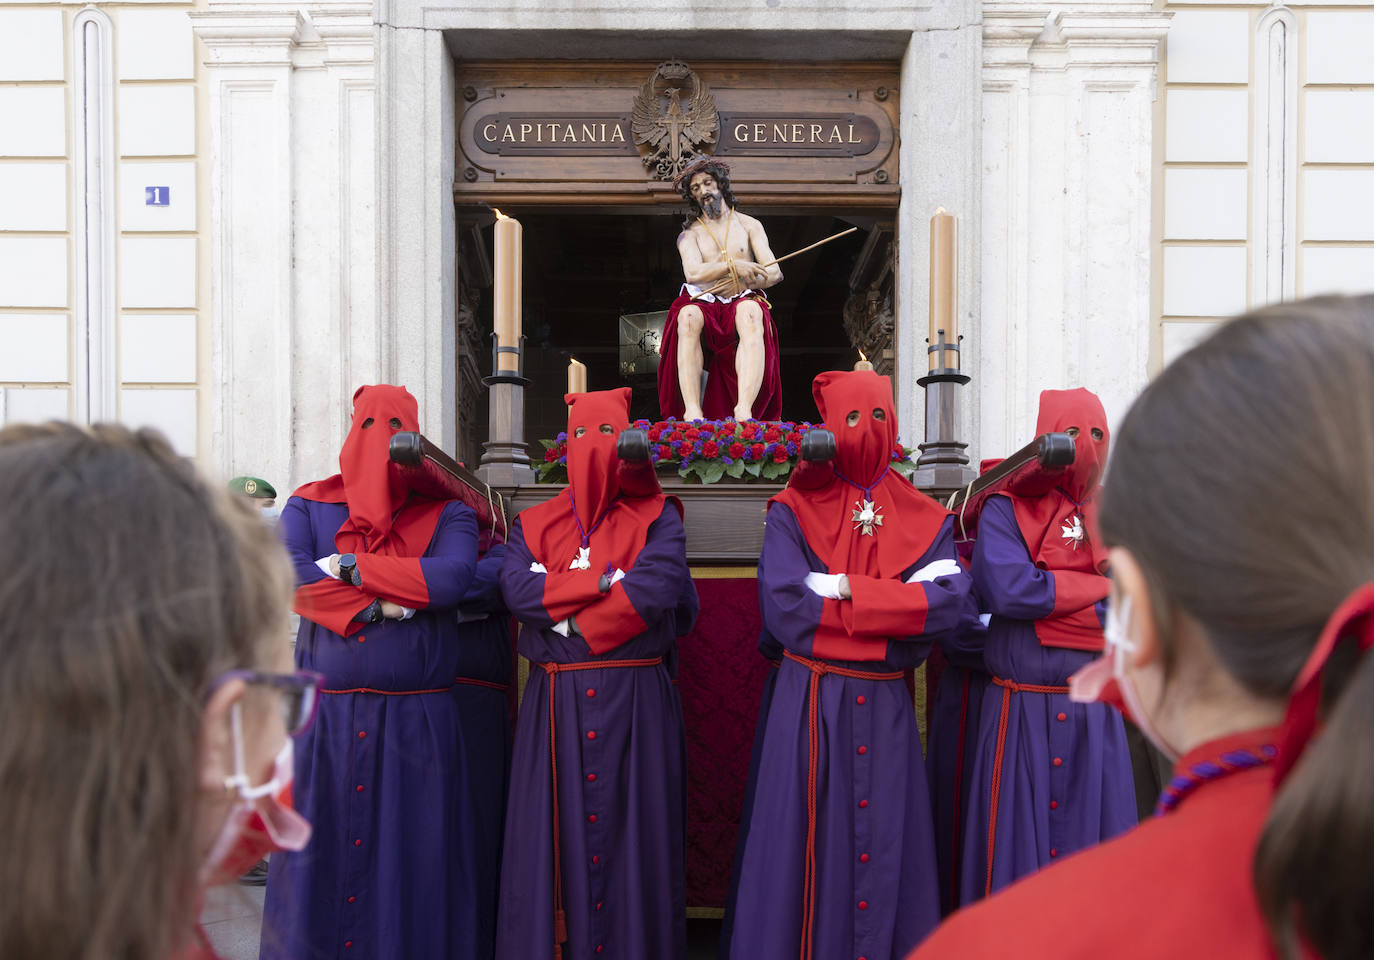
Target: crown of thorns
x=701 y=165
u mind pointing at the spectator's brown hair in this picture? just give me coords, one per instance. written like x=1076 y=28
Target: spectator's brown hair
x=128 y=585
x=1242 y=480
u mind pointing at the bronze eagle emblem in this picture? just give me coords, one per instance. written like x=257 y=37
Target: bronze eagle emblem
x=673 y=132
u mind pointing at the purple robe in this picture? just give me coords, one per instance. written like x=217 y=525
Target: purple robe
x=406 y=791
x=622 y=792
x=951 y=745
x=1065 y=777
x=875 y=892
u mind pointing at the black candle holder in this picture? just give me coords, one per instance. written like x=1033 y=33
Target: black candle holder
x=516 y=376
x=505 y=459
x=943 y=463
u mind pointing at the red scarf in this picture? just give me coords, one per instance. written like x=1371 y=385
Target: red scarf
x=591 y=511
x=1046 y=521
x=1354 y=618
x=863 y=453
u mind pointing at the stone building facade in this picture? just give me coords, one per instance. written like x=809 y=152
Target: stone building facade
x=1125 y=174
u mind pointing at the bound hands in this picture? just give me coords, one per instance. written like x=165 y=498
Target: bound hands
x=751 y=274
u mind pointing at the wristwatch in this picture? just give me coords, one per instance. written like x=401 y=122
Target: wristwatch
x=348 y=569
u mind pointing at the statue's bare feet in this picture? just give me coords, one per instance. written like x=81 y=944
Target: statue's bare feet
x=692 y=413
x=743 y=413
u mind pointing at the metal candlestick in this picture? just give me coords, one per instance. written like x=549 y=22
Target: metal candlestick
x=505 y=460
x=943 y=464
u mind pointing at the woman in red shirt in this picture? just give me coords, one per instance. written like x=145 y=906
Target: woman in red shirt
x=1239 y=508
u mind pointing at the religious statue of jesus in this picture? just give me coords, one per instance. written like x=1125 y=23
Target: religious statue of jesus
x=721 y=312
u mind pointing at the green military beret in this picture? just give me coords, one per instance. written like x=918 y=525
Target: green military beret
x=253 y=487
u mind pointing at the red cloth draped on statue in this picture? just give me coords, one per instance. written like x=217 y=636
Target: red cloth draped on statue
x=719 y=340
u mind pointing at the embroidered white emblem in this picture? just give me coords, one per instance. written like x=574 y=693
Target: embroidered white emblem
x=583 y=560
x=866 y=515
x=1073 y=531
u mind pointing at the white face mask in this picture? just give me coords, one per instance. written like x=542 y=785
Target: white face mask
x=270 y=514
x=1105 y=679
x=241 y=844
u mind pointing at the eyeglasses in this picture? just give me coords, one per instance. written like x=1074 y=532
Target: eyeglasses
x=299 y=693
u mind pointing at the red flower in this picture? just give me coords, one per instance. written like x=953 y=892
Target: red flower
x=780 y=454
x=756 y=452
x=710 y=449
x=736 y=450
x=794 y=437
x=675 y=437
x=772 y=435
x=684 y=449
x=664 y=452
x=691 y=433
x=550 y=455
x=655 y=432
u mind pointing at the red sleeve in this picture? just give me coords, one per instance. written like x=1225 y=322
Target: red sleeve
x=610 y=621
x=398 y=579
x=332 y=604
x=833 y=640
x=1075 y=591
x=885 y=608
x=566 y=592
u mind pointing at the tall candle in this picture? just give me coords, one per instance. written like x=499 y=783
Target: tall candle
x=577 y=376
x=506 y=305
x=944 y=284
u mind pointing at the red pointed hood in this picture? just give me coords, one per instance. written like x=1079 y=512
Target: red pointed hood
x=379 y=520
x=615 y=526
x=374 y=486
x=594 y=424
x=1061 y=410
x=863 y=453
x=1048 y=522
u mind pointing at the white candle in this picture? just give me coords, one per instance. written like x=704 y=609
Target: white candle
x=506 y=305
x=577 y=377
x=944 y=284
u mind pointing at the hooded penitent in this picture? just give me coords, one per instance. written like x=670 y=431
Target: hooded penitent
x=903 y=520
x=1059 y=526
x=383 y=520
x=592 y=528
x=863 y=520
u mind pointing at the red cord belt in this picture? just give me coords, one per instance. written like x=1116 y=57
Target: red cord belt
x=560 y=916
x=1008 y=688
x=407 y=693
x=818 y=668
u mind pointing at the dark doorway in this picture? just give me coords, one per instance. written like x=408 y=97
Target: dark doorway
x=584 y=271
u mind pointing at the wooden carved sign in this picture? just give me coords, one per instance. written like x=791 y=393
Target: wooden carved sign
x=597 y=131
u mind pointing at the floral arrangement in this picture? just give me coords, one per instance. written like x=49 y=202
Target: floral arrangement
x=707 y=451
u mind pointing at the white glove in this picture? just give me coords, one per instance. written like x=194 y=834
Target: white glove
x=824 y=584
x=944 y=567
x=617 y=576
x=561 y=628
x=407 y=613
x=323 y=564
x=538 y=567
x=985 y=618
